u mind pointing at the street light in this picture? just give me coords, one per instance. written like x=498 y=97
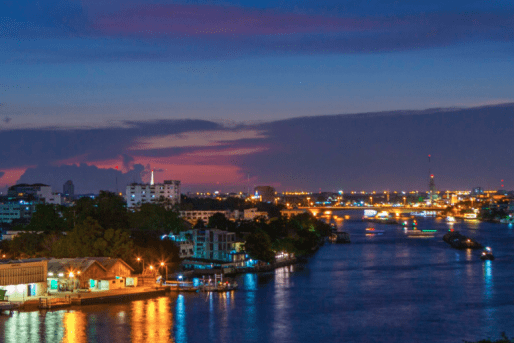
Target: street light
x=162 y=265
x=404 y=201
x=308 y=201
x=371 y=201
x=139 y=259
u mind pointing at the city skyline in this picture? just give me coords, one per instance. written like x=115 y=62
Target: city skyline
x=330 y=153
x=298 y=95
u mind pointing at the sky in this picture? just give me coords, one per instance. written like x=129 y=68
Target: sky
x=226 y=95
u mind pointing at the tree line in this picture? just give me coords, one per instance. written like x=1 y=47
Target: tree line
x=104 y=227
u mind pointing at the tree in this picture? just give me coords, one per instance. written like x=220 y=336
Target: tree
x=200 y=224
x=25 y=244
x=46 y=218
x=219 y=221
x=156 y=217
x=258 y=246
x=90 y=239
x=111 y=211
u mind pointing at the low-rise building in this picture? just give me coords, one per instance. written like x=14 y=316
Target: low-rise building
x=211 y=244
x=252 y=213
x=92 y=273
x=10 y=234
x=23 y=279
x=195 y=215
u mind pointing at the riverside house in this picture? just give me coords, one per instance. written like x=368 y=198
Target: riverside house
x=89 y=273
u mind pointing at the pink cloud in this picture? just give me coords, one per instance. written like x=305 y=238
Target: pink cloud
x=12 y=175
x=192 y=172
x=191 y=20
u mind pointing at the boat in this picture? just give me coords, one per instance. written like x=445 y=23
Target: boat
x=373 y=230
x=487 y=254
x=450 y=219
x=415 y=233
x=217 y=285
x=182 y=286
x=458 y=241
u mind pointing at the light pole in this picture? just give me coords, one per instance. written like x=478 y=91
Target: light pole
x=404 y=201
x=308 y=199
x=162 y=265
x=371 y=201
x=139 y=259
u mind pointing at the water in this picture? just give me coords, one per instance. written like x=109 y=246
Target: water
x=377 y=289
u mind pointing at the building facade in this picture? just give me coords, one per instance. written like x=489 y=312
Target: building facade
x=91 y=273
x=211 y=244
x=23 y=279
x=168 y=192
x=15 y=210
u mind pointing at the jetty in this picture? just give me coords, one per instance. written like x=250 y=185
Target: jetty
x=114 y=296
x=458 y=241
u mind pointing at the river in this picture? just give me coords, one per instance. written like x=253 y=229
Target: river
x=382 y=288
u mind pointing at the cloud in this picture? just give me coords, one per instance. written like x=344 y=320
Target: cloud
x=7 y=120
x=387 y=150
x=195 y=139
x=22 y=147
x=371 y=151
x=121 y=30
x=127 y=161
x=86 y=179
x=1 y=174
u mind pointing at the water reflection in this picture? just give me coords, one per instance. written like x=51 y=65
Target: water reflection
x=151 y=321
x=22 y=327
x=180 y=325
x=281 y=322
x=74 y=323
x=250 y=282
x=488 y=280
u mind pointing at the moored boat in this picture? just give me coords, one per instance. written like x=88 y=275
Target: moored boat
x=487 y=254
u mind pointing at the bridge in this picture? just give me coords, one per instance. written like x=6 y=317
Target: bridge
x=395 y=209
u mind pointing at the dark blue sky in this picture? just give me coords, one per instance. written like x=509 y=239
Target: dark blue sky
x=200 y=88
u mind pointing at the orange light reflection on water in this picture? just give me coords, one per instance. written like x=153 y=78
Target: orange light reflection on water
x=152 y=321
x=74 y=323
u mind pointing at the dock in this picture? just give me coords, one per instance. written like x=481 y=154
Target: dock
x=9 y=307
x=114 y=296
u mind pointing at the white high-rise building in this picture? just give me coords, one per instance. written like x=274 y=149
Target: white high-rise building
x=167 y=192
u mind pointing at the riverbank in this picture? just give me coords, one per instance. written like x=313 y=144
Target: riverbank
x=67 y=299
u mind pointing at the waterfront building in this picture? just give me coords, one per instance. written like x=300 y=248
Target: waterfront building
x=90 y=273
x=139 y=193
x=185 y=246
x=23 y=279
x=211 y=244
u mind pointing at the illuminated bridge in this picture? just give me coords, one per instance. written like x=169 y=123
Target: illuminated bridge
x=395 y=209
